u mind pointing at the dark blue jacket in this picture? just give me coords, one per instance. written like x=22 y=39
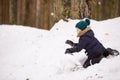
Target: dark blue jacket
x=88 y=42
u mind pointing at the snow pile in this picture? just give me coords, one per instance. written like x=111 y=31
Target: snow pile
x=34 y=54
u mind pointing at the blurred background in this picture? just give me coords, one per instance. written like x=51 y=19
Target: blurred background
x=45 y=13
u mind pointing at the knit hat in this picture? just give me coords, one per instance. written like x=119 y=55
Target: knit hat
x=83 y=24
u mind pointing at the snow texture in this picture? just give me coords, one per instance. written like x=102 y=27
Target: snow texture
x=34 y=54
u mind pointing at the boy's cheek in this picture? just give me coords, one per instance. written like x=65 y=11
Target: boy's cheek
x=78 y=31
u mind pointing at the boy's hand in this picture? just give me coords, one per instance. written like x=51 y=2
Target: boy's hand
x=68 y=51
x=69 y=42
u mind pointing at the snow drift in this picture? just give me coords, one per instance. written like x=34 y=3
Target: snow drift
x=35 y=54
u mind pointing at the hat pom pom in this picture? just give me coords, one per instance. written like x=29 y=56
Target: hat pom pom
x=87 y=21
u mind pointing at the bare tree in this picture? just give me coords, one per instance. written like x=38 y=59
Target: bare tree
x=38 y=2
x=83 y=12
x=1 y=11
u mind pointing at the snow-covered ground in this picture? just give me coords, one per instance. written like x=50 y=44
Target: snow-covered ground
x=34 y=54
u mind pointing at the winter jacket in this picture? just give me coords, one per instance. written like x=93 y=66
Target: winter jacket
x=88 y=42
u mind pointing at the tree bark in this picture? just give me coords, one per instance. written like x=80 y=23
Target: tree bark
x=38 y=2
x=1 y=11
x=5 y=11
x=13 y=12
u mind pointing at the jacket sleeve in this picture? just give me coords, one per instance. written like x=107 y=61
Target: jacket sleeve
x=79 y=46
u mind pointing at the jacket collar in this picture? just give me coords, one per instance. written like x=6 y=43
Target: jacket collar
x=83 y=31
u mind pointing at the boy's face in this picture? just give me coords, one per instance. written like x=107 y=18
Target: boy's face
x=78 y=30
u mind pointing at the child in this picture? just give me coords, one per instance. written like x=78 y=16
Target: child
x=94 y=49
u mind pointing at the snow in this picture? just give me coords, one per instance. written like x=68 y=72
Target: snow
x=34 y=54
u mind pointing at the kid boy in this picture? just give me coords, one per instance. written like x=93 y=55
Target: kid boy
x=94 y=49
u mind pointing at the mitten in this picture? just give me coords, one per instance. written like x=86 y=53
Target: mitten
x=69 y=42
x=68 y=51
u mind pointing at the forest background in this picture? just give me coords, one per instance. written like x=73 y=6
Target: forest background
x=45 y=13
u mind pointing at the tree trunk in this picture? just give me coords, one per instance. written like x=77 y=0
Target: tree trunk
x=38 y=10
x=5 y=11
x=103 y=9
x=19 y=12
x=13 y=12
x=1 y=11
x=118 y=7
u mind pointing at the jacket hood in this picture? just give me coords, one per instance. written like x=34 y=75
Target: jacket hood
x=83 y=32
x=89 y=34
